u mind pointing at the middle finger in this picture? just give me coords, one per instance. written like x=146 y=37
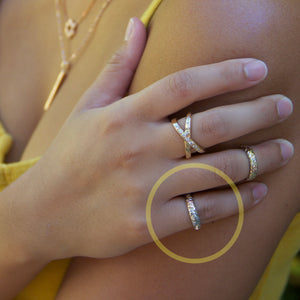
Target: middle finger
x=225 y=123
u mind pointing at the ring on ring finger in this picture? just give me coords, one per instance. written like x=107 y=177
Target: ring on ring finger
x=253 y=166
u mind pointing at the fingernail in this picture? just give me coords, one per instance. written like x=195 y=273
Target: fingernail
x=259 y=192
x=285 y=108
x=129 y=30
x=287 y=150
x=256 y=70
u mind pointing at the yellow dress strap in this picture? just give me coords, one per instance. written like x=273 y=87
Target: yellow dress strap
x=148 y=14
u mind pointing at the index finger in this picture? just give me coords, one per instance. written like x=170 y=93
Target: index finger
x=183 y=88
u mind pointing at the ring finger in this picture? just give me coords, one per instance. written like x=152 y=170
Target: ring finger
x=234 y=163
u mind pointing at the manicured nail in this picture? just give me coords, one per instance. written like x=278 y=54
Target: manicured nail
x=129 y=30
x=287 y=150
x=284 y=107
x=256 y=70
x=259 y=192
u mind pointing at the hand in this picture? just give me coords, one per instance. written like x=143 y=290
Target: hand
x=100 y=168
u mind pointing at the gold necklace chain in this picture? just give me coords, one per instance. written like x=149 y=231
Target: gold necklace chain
x=71 y=25
x=67 y=62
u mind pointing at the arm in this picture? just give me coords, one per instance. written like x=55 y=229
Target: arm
x=189 y=33
x=55 y=210
x=19 y=264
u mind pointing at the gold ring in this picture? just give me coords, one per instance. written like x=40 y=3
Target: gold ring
x=188 y=121
x=195 y=219
x=186 y=135
x=253 y=166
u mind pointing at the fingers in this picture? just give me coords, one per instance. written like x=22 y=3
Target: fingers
x=225 y=123
x=270 y=156
x=228 y=122
x=113 y=82
x=211 y=206
x=181 y=89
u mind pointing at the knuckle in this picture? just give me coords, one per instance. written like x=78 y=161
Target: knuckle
x=214 y=126
x=133 y=193
x=127 y=157
x=141 y=110
x=134 y=190
x=117 y=59
x=227 y=164
x=114 y=120
x=138 y=228
x=136 y=225
x=180 y=84
x=112 y=125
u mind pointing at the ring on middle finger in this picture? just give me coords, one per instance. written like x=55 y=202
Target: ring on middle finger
x=186 y=136
x=187 y=147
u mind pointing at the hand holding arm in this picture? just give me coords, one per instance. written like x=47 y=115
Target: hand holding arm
x=87 y=194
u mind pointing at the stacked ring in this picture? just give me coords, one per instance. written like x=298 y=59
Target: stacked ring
x=186 y=135
x=188 y=121
x=188 y=145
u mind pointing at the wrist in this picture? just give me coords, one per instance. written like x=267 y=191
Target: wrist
x=18 y=264
x=20 y=230
x=16 y=247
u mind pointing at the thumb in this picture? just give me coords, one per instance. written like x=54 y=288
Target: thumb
x=113 y=82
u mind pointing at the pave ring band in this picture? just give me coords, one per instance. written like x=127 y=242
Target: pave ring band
x=186 y=136
x=195 y=219
x=253 y=167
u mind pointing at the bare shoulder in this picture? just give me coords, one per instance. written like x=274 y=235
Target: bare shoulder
x=189 y=33
x=185 y=34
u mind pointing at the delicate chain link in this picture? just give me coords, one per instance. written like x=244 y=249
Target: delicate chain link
x=84 y=14
x=91 y=30
x=60 y=33
x=66 y=62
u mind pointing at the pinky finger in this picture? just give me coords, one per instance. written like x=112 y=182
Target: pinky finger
x=211 y=206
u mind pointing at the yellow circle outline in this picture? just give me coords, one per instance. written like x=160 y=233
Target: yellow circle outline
x=233 y=238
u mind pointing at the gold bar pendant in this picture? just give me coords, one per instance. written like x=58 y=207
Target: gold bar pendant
x=60 y=79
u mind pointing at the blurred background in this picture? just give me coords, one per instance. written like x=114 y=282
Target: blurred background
x=292 y=291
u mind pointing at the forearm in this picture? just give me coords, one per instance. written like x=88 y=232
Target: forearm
x=19 y=264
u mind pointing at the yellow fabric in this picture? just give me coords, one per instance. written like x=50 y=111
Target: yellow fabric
x=46 y=284
x=275 y=277
x=10 y=172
